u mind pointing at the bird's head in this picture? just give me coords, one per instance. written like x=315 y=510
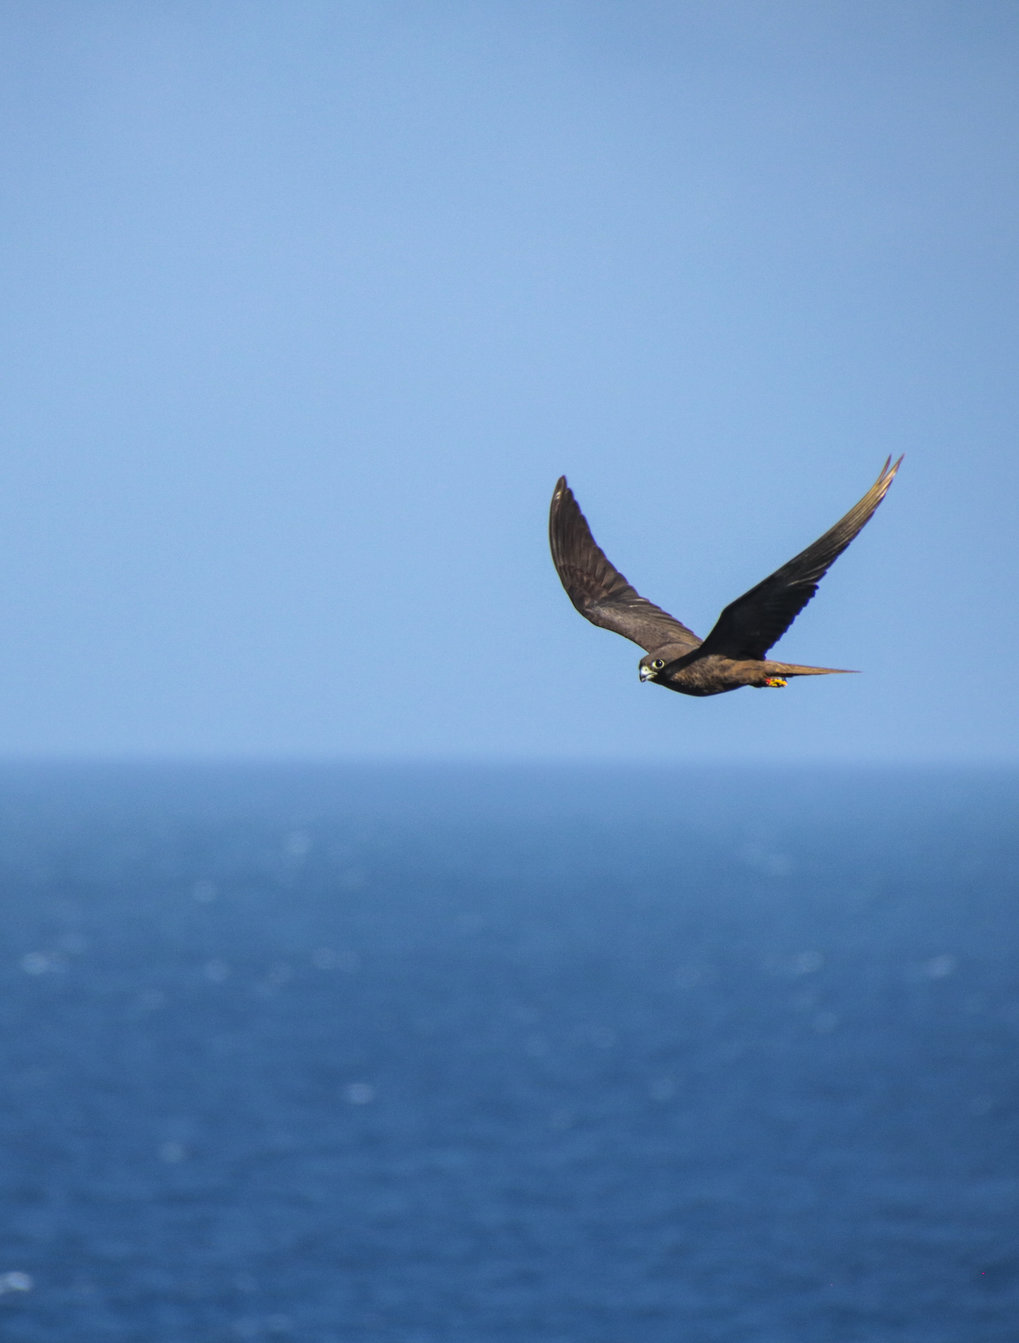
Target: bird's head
x=650 y=667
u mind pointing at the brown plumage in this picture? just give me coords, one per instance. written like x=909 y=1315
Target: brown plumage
x=733 y=654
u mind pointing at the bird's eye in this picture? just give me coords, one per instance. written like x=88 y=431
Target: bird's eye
x=657 y=665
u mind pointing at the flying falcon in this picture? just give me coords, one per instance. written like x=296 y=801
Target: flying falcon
x=733 y=654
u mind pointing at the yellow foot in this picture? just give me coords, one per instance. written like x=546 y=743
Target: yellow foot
x=774 y=680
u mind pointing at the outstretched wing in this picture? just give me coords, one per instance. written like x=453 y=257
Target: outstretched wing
x=752 y=623
x=597 y=589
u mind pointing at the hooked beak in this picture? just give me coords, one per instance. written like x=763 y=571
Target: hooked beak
x=646 y=674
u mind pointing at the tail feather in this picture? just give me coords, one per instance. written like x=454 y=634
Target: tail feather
x=793 y=669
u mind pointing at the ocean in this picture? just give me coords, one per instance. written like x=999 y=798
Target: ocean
x=465 y=1054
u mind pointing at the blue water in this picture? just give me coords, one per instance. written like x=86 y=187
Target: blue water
x=551 y=1056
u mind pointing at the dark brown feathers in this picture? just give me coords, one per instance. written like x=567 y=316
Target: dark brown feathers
x=596 y=587
x=733 y=654
x=749 y=626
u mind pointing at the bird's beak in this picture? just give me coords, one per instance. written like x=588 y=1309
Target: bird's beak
x=646 y=674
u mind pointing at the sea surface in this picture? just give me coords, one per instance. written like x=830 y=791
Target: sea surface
x=543 y=1055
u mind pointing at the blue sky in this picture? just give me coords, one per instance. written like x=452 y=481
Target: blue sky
x=306 y=306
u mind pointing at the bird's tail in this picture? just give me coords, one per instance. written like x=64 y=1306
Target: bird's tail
x=793 y=669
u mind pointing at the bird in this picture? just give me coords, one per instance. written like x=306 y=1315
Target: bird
x=733 y=654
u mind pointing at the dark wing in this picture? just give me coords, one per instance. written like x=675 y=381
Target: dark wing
x=597 y=589
x=752 y=623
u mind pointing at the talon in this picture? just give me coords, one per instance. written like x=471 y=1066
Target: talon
x=775 y=681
